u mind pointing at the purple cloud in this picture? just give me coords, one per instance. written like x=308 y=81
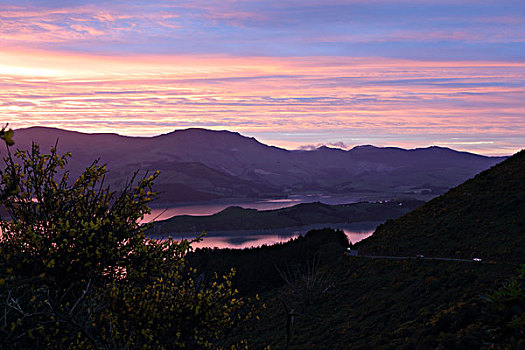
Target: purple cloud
x=410 y=29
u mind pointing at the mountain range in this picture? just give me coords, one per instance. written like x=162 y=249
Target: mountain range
x=200 y=165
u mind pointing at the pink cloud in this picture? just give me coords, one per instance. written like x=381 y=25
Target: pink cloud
x=372 y=97
x=86 y=29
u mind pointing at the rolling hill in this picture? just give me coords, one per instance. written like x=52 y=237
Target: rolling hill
x=200 y=164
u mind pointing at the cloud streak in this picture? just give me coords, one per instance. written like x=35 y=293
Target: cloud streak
x=356 y=71
x=277 y=28
x=155 y=94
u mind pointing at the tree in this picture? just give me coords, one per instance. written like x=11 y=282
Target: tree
x=77 y=270
x=303 y=287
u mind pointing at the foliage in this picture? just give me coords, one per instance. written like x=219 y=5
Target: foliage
x=77 y=271
x=303 y=288
x=506 y=312
x=7 y=135
x=385 y=304
x=481 y=218
x=257 y=269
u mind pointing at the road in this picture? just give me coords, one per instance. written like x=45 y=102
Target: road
x=415 y=258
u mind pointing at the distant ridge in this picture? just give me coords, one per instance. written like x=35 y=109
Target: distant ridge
x=57 y=133
x=199 y=163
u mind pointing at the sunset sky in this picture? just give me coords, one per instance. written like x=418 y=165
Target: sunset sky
x=409 y=73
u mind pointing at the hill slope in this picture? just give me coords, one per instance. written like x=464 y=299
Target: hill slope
x=384 y=303
x=484 y=217
x=205 y=164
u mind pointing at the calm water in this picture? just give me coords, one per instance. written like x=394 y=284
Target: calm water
x=213 y=207
x=246 y=239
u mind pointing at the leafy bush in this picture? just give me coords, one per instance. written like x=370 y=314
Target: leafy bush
x=506 y=313
x=77 y=271
x=7 y=135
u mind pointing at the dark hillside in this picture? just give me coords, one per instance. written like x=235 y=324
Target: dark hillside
x=410 y=303
x=385 y=304
x=484 y=217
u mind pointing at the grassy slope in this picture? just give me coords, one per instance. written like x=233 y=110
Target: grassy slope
x=417 y=304
x=484 y=217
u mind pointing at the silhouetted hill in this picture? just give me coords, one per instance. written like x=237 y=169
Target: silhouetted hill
x=412 y=303
x=237 y=218
x=223 y=164
x=385 y=304
x=484 y=217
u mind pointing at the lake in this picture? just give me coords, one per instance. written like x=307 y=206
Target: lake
x=212 y=207
x=252 y=238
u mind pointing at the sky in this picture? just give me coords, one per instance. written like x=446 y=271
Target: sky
x=292 y=73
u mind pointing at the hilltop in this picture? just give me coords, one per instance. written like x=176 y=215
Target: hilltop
x=200 y=164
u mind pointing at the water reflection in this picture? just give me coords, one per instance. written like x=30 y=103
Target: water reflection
x=211 y=207
x=247 y=239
